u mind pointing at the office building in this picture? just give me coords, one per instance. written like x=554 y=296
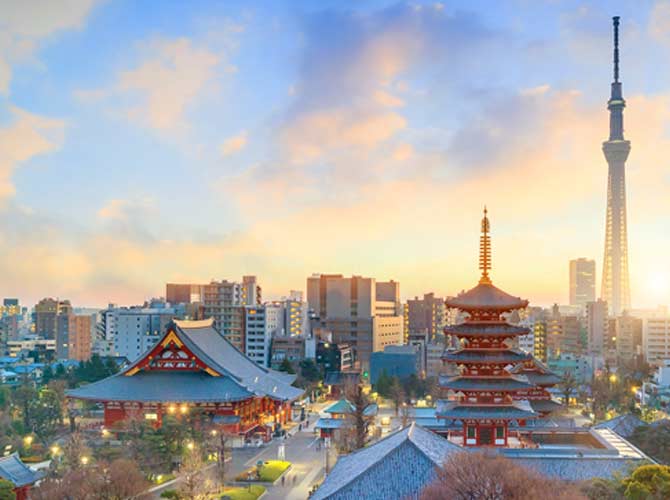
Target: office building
x=46 y=314
x=656 y=339
x=582 y=281
x=74 y=336
x=131 y=331
x=426 y=315
x=628 y=336
x=597 y=326
x=359 y=311
x=261 y=324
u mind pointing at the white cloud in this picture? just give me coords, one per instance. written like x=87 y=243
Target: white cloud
x=234 y=144
x=24 y=23
x=659 y=21
x=29 y=135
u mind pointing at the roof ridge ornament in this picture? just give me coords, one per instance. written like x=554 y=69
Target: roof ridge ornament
x=485 y=250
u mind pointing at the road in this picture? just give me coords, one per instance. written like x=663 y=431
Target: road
x=300 y=449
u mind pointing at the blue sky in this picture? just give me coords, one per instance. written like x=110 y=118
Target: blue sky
x=202 y=140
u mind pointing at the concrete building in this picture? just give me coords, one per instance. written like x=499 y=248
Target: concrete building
x=261 y=324
x=396 y=360
x=426 y=315
x=334 y=357
x=74 y=336
x=597 y=326
x=656 y=339
x=359 y=311
x=434 y=364
x=291 y=348
x=43 y=349
x=628 y=336
x=46 y=313
x=131 y=331
x=582 y=281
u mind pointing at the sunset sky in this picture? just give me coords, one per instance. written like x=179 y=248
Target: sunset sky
x=147 y=142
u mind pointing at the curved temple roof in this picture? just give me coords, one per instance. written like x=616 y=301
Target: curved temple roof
x=482 y=356
x=486 y=296
x=473 y=384
x=231 y=377
x=485 y=330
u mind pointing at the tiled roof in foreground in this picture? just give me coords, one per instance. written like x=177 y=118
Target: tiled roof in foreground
x=402 y=464
x=456 y=411
x=398 y=466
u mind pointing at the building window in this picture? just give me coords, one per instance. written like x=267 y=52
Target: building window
x=500 y=433
x=471 y=433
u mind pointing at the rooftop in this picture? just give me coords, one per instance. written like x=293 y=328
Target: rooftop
x=15 y=471
x=486 y=296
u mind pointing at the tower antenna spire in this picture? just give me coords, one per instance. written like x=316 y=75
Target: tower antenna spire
x=485 y=250
x=615 y=23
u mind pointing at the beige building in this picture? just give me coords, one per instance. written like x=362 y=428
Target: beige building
x=359 y=311
x=656 y=339
x=582 y=282
x=596 y=326
x=628 y=336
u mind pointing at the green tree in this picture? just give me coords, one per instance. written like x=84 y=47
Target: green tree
x=22 y=397
x=309 y=370
x=286 y=366
x=648 y=482
x=397 y=394
x=383 y=384
x=44 y=413
x=47 y=374
x=6 y=490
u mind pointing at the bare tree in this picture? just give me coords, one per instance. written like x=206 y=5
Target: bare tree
x=194 y=485
x=568 y=386
x=466 y=476
x=405 y=414
x=359 y=418
x=397 y=394
x=220 y=443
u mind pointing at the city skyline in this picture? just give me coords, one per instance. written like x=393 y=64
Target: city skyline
x=360 y=144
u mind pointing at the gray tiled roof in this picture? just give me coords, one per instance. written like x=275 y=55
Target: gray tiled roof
x=623 y=425
x=544 y=405
x=455 y=410
x=398 y=466
x=157 y=386
x=402 y=464
x=240 y=377
x=486 y=296
x=510 y=383
x=475 y=356
x=15 y=471
x=486 y=330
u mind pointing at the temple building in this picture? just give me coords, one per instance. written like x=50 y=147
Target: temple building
x=492 y=388
x=193 y=367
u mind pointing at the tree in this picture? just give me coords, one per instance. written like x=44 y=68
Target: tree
x=6 y=490
x=648 y=482
x=23 y=395
x=44 y=413
x=359 y=420
x=220 y=444
x=121 y=479
x=568 y=386
x=383 y=384
x=654 y=440
x=466 y=476
x=397 y=394
x=286 y=366
x=193 y=486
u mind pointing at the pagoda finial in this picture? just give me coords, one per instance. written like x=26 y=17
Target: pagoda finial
x=485 y=250
x=615 y=22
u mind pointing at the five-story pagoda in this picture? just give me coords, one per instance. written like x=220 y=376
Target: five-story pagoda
x=483 y=396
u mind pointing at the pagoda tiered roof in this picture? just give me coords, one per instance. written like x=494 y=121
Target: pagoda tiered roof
x=192 y=362
x=537 y=372
x=485 y=384
x=473 y=329
x=455 y=410
x=486 y=297
x=472 y=356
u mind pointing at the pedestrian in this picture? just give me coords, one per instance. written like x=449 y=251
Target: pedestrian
x=283 y=481
x=299 y=427
x=294 y=479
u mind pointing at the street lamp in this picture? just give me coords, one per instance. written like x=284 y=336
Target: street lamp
x=84 y=460
x=613 y=378
x=190 y=445
x=55 y=450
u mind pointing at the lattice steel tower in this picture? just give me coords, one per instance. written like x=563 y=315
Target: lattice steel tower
x=615 y=286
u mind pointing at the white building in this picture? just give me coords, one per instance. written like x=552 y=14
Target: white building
x=662 y=375
x=656 y=339
x=261 y=324
x=131 y=331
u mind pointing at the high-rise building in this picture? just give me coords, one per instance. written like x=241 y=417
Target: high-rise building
x=261 y=324
x=426 y=315
x=582 y=281
x=223 y=301
x=10 y=307
x=74 y=336
x=361 y=312
x=656 y=339
x=628 y=336
x=597 y=326
x=615 y=285
x=46 y=314
x=131 y=331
